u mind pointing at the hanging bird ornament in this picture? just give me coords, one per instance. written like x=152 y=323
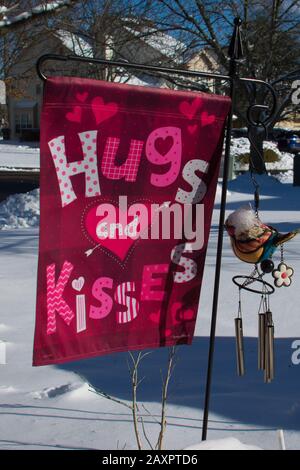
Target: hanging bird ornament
x=255 y=242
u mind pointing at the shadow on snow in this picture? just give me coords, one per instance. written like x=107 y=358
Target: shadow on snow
x=245 y=400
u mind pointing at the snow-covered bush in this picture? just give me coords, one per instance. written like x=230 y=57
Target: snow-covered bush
x=20 y=210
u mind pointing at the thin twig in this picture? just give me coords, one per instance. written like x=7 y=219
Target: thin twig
x=163 y=422
x=109 y=397
x=144 y=432
x=97 y=391
x=134 y=382
x=150 y=414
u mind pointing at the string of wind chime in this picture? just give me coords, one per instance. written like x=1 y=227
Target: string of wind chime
x=255 y=243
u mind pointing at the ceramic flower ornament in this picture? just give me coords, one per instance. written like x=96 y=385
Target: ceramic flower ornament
x=282 y=275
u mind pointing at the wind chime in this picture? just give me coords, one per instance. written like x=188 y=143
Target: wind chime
x=254 y=242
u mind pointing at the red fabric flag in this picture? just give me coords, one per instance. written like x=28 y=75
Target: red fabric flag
x=127 y=186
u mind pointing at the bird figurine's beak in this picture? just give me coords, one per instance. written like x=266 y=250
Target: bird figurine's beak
x=230 y=230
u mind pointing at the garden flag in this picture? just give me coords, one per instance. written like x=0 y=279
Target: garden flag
x=127 y=186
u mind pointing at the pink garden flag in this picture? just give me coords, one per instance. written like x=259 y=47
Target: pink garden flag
x=127 y=187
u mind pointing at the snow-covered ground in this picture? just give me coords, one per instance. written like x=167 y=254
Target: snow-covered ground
x=20 y=155
x=229 y=443
x=16 y=155
x=53 y=407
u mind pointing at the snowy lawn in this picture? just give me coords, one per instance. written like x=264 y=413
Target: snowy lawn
x=52 y=407
x=16 y=155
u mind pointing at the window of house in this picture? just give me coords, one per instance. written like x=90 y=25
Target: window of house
x=23 y=120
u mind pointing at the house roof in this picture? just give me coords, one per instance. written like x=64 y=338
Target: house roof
x=165 y=44
x=9 y=17
x=76 y=44
x=79 y=46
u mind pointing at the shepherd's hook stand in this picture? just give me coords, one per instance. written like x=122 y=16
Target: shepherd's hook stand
x=235 y=53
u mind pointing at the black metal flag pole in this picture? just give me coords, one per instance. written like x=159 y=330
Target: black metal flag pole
x=235 y=54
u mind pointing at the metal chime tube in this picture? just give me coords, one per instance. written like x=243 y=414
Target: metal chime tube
x=269 y=348
x=239 y=346
x=261 y=340
x=270 y=333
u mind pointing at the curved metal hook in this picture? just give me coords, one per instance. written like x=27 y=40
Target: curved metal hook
x=129 y=65
x=261 y=107
x=44 y=58
x=258 y=117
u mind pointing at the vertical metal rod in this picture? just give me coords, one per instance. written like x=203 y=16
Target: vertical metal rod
x=267 y=362
x=217 y=271
x=269 y=348
x=270 y=333
x=217 y=277
x=239 y=337
x=261 y=341
x=233 y=74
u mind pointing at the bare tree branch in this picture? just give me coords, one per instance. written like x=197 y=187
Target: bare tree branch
x=163 y=424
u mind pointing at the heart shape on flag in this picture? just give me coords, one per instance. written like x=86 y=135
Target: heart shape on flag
x=207 y=119
x=179 y=314
x=114 y=235
x=82 y=96
x=75 y=115
x=155 y=316
x=77 y=284
x=187 y=315
x=164 y=144
x=192 y=128
x=103 y=111
x=189 y=110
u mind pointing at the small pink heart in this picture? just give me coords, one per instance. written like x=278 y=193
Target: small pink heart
x=207 y=119
x=189 y=109
x=187 y=315
x=103 y=111
x=75 y=115
x=154 y=316
x=82 y=96
x=77 y=284
x=179 y=315
x=192 y=129
x=164 y=144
